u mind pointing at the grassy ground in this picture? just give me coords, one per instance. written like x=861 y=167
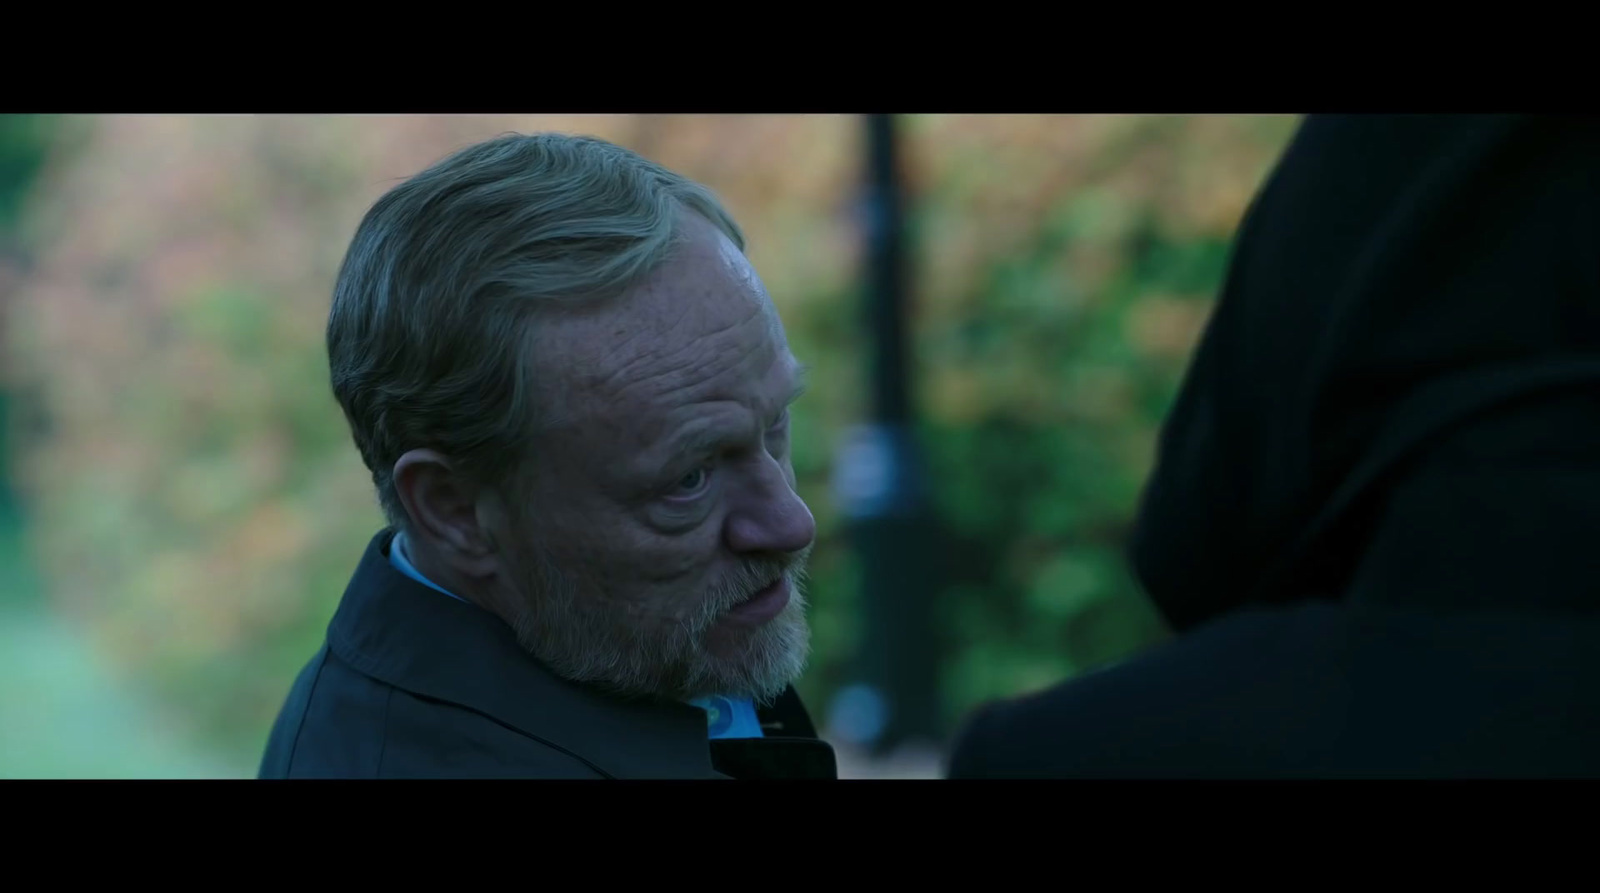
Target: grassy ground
x=63 y=711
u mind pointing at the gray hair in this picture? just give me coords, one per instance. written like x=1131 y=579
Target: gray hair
x=429 y=337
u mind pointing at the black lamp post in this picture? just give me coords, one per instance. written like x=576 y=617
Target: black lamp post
x=882 y=490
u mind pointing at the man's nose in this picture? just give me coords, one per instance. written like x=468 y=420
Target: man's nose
x=770 y=517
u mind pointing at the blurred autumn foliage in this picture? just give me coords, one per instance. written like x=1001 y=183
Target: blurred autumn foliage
x=197 y=504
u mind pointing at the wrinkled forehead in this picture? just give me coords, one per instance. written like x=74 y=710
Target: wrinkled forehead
x=700 y=328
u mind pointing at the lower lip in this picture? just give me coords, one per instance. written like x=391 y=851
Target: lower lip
x=763 y=606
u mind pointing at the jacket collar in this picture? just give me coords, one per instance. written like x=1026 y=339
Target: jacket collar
x=402 y=633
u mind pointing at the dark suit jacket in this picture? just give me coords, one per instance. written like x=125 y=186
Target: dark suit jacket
x=1317 y=690
x=1372 y=520
x=411 y=684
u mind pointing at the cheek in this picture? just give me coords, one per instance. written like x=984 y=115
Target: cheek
x=635 y=564
x=684 y=561
x=625 y=556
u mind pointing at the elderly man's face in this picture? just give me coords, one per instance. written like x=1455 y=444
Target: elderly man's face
x=660 y=544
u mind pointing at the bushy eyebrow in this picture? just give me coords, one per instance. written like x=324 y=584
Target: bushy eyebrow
x=704 y=439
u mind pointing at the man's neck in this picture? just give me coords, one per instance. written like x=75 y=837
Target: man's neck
x=426 y=562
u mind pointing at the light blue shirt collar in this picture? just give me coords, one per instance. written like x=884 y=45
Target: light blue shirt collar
x=725 y=717
x=397 y=557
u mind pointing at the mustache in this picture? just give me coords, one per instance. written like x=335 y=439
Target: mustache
x=754 y=575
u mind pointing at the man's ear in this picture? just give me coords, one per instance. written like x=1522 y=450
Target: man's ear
x=443 y=506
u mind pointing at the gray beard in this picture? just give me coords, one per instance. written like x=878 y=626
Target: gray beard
x=599 y=642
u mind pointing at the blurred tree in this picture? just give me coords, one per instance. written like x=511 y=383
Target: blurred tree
x=202 y=506
x=24 y=145
x=1071 y=268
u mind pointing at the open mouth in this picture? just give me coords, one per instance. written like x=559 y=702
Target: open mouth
x=765 y=604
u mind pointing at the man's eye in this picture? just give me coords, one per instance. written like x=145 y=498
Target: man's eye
x=691 y=483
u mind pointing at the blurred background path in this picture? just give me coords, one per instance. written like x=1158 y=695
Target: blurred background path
x=66 y=712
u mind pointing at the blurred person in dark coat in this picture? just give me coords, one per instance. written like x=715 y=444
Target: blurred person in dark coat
x=572 y=392
x=1373 y=519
